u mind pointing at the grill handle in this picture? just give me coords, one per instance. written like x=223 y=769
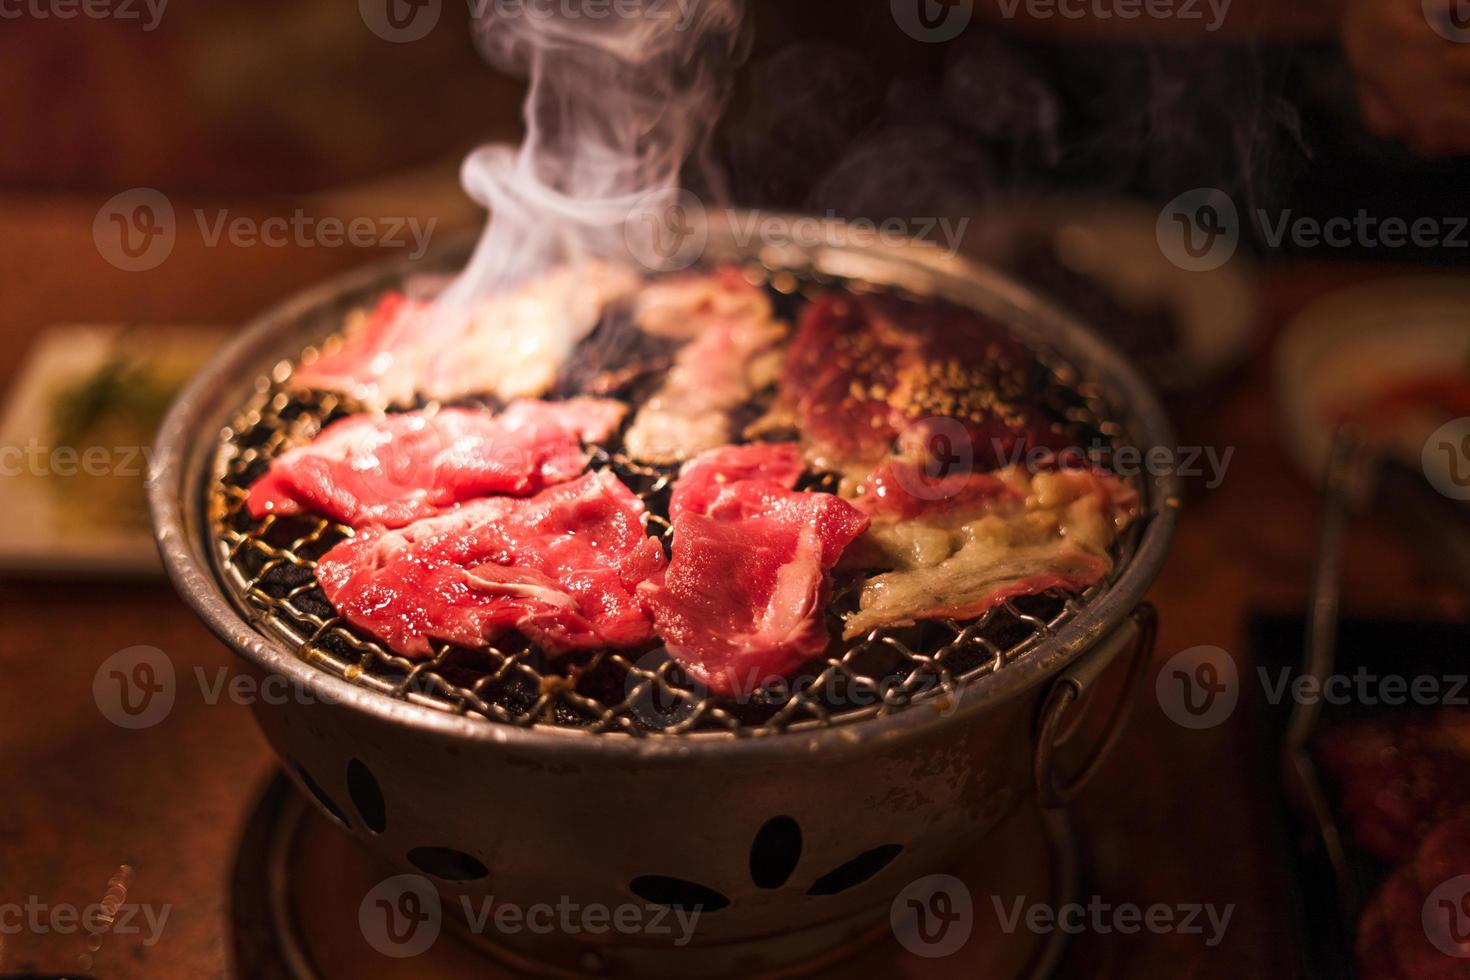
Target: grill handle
x=1054 y=789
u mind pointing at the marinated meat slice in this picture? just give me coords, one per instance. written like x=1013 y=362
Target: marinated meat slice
x=561 y=568
x=511 y=345
x=959 y=547
x=732 y=356
x=744 y=598
x=1398 y=777
x=395 y=469
x=868 y=376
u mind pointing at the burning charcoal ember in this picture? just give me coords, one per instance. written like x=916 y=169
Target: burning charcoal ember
x=560 y=568
x=396 y=469
x=510 y=345
x=1398 y=777
x=733 y=355
x=744 y=599
x=868 y=376
x=961 y=545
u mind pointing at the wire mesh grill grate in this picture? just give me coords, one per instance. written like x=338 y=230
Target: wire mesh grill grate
x=268 y=567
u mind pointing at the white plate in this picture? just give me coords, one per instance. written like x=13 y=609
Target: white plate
x=1350 y=345
x=36 y=537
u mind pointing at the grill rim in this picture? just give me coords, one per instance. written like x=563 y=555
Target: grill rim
x=188 y=441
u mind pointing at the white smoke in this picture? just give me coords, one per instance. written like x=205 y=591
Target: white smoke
x=622 y=93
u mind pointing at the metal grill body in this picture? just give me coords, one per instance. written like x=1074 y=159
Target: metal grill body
x=608 y=780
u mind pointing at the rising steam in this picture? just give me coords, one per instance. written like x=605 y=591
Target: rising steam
x=621 y=95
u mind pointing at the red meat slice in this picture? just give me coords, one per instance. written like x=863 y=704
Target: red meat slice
x=393 y=470
x=702 y=484
x=380 y=361
x=561 y=568
x=743 y=601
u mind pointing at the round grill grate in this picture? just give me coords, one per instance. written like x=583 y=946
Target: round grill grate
x=268 y=568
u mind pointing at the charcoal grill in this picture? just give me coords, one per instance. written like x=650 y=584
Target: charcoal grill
x=612 y=779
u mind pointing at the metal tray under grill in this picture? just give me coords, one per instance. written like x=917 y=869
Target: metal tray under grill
x=267 y=569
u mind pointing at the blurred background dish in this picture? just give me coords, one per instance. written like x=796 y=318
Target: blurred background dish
x=1391 y=356
x=75 y=441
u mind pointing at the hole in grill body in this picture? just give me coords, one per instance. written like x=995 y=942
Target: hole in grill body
x=268 y=568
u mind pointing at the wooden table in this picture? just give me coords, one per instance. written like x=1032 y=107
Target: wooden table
x=1178 y=817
